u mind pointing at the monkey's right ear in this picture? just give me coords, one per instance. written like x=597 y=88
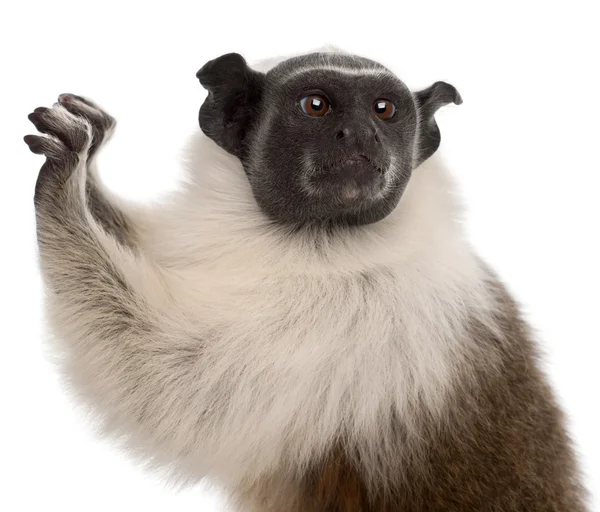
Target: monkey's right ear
x=233 y=101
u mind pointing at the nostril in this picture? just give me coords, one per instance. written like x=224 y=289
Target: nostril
x=376 y=138
x=339 y=135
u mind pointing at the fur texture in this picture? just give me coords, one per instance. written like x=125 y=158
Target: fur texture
x=381 y=368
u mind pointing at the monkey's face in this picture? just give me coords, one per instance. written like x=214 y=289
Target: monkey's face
x=332 y=144
x=324 y=138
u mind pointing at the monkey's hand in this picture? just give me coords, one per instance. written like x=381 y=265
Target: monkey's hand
x=66 y=147
x=102 y=124
x=67 y=124
x=75 y=129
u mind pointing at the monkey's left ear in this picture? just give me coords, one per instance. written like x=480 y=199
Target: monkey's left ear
x=231 y=107
x=428 y=102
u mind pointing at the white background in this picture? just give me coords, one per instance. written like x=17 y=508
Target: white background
x=522 y=147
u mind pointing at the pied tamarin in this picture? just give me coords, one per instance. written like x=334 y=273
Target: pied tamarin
x=303 y=322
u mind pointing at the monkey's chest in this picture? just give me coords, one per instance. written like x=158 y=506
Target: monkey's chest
x=299 y=365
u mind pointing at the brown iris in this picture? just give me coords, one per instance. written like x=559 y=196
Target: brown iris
x=384 y=109
x=314 y=105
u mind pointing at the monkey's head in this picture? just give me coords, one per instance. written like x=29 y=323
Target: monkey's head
x=325 y=137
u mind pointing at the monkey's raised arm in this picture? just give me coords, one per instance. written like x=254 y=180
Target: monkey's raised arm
x=139 y=371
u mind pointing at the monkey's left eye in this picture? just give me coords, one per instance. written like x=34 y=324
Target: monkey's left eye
x=314 y=105
x=384 y=109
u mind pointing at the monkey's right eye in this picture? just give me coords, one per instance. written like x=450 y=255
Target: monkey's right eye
x=315 y=105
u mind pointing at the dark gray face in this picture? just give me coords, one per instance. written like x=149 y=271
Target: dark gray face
x=324 y=138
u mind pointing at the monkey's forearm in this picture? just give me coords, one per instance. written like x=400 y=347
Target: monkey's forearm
x=129 y=364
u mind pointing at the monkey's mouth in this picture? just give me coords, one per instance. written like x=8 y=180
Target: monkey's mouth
x=349 y=182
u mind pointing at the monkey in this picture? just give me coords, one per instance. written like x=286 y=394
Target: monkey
x=303 y=322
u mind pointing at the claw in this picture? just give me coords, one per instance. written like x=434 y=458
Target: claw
x=35 y=144
x=66 y=98
x=36 y=118
x=51 y=148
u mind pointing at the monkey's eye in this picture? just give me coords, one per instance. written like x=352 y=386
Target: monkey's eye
x=314 y=105
x=384 y=109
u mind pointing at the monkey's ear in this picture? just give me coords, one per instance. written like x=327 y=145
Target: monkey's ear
x=428 y=102
x=231 y=107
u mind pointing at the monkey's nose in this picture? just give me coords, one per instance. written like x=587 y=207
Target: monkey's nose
x=353 y=133
x=346 y=132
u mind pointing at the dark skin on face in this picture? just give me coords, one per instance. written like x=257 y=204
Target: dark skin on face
x=325 y=139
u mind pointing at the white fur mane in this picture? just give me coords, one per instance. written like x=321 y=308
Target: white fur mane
x=314 y=339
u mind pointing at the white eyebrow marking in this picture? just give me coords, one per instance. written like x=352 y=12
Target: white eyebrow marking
x=378 y=72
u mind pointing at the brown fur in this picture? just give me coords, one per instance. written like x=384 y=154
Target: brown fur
x=502 y=447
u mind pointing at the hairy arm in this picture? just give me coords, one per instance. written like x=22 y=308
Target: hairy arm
x=131 y=353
